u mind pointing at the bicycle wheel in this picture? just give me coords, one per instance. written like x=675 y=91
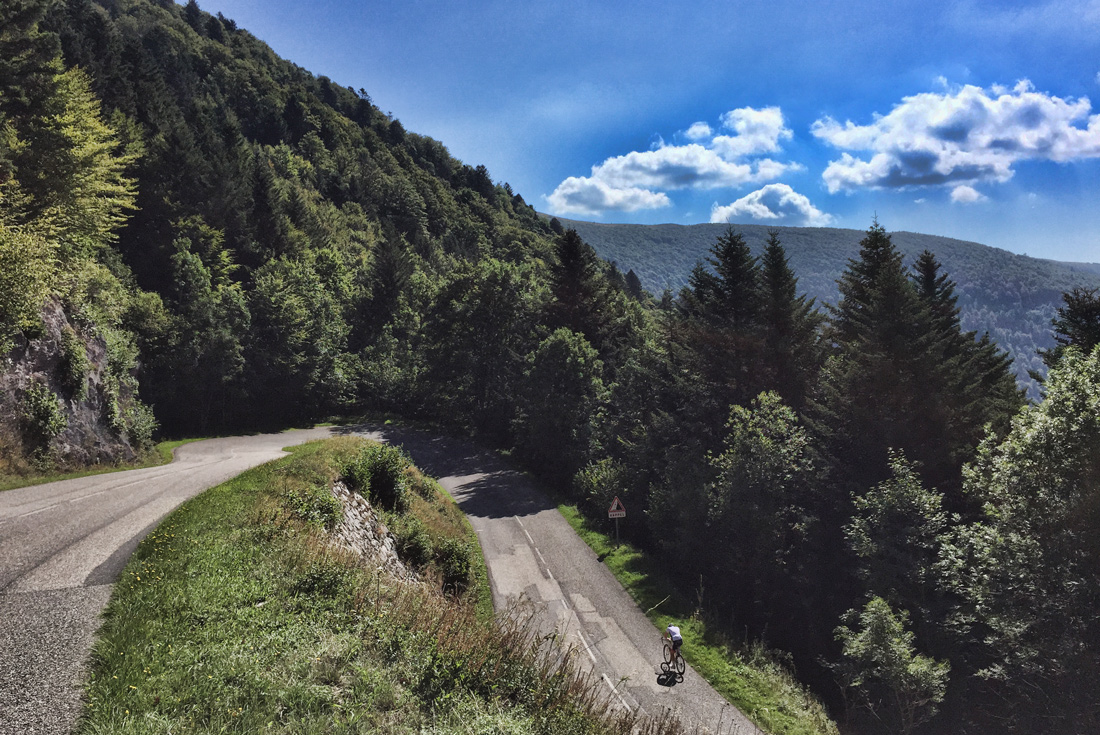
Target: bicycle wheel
x=680 y=665
x=666 y=665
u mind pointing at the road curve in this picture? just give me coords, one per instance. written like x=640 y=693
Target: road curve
x=534 y=556
x=63 y=545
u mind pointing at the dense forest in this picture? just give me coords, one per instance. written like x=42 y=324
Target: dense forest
x=861 y=484
x=1012 y=297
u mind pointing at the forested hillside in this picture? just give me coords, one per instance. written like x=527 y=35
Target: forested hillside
x=1012 y=297
x=861 y=486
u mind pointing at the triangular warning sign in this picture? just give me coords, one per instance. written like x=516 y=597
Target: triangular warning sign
x=616 y=510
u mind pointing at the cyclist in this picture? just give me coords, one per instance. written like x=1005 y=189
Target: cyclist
x=672 y=635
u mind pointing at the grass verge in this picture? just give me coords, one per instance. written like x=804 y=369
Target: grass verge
x=160 y=454
x=749 y=676
x=237 y=616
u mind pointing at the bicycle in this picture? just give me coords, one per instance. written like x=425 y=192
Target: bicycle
x=673 y=662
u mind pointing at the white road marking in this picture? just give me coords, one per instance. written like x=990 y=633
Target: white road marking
x=579 y=628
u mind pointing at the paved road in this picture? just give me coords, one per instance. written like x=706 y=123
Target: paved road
x=62 y=545
x=534 y=556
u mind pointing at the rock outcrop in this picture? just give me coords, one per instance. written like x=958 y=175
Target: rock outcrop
x=87 y=401
x=362 y=531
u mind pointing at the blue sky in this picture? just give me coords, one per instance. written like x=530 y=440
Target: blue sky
x=970 y=119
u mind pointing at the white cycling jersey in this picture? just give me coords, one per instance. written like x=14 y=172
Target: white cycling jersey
x=674 y=633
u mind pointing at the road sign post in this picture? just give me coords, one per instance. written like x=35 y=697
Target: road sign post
x=616 y=511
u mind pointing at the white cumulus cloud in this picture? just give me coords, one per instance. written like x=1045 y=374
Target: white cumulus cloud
x=698 y=131
x=691 y=166
x=755 y=131
x=639 y=179
x=580 y=195
x=964 y=194
x=964 y=136
x=777 y=203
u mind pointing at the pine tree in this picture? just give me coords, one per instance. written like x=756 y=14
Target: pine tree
x=792 y=351
x=719 y=329
x=29 y=61
x=727 y=294
x=977 y=388
x=1076 y=324
x=875 y=388
x=576 y=288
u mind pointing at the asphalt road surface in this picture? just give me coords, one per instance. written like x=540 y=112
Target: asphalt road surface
x=63 y=545
x=535 y=558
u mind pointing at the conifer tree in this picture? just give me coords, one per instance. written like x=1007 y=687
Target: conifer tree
x=720 y=330
x=29 y=61
x=977 y=388
x=1076 y=324
x=575 y=286
x=792 y=351
x=726 y=294
x=882 y=367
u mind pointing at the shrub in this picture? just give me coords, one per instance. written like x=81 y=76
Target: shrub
x=324 y=578
x=413 y=543
x=27 y=265
x=452 y=557
x=75 y=365
x=141 y=425
x=379 y=473
x=43 y=417
x=314 y=504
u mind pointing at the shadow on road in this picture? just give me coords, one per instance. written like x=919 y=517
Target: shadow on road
x=495 y=490
x=437 y=456
x=495 y=496
x=669 y=679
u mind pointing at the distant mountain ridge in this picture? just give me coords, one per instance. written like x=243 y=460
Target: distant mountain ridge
x=1012 y=297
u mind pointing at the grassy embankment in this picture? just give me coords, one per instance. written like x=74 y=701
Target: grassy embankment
x=236 y=615
x=749 y=676
x=24 y=475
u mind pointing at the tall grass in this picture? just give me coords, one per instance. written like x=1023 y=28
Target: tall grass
x=238 y=615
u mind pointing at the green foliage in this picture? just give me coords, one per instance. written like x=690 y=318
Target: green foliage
x=792 y=351
x=414 y=544
x=73 y=176
x=380 y=473
x=141 y=425
x=297 y=337
x=481 y=325
x=43 y=416
x=312 y=503
x=1011 y=297
x=896 y=532
x=599 y=483
x=726 y=294
x=561 y=398
x=453 y=558
x=1025 y=571
x=27 y=267
x=75 y=365
x=1077 y=324
x=890 y=679
x=902 y=376
x=760 y=509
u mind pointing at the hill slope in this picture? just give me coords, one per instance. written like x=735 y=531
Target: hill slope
x=1013 y=297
